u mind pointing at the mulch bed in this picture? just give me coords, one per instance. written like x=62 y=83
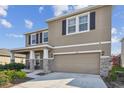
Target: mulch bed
x=17 y=81
x=114 y=84
x=27 y=72
x=41 y=74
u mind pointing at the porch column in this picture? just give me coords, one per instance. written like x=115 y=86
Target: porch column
x=32 y=57
x=45 y=60
x=12 y=57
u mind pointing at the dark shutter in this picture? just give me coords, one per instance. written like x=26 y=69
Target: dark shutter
x=40 y=37
x=29 y=39
x=64 y=27
x=37 y=35
x=92 y=20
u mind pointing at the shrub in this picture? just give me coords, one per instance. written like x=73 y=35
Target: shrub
x=11 y=74
x=4 y=79
x=1 y=67
x=116 y=60
x=112 y=76
x=14 y=66
x=113 y=73
x=20 y=74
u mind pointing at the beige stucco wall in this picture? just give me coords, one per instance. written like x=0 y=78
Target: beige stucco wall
x=6 y=60
x=101 y=33
x=86 y=48
x=80 y=63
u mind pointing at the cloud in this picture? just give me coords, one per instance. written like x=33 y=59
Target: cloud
x=62 y=9
x=28 y=24
x=115 y=39
x=79 y=6
x=114 y=30
x=3 y=10
x=5 y=23
x=14 y=35
x=41 y=9
x=121 y=32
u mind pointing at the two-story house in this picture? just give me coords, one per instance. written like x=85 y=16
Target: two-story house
x=74 y=42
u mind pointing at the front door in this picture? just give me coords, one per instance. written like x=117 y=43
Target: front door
x=38 y=64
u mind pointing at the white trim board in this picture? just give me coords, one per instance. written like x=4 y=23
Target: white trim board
x=78 y=52
x=86 y=44
x=67 y=46
x=32 y=47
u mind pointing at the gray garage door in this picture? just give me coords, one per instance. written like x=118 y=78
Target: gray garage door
x=81 y=63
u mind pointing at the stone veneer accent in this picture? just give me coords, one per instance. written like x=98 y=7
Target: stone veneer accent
x=105 y=65
x=45 y=66
x=31 y=65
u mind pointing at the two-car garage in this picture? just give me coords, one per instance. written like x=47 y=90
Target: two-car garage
x=88 y=63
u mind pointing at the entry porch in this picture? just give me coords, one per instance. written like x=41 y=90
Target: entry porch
x=37 y=57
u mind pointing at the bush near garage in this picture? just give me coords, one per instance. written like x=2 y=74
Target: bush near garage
x=113 y=74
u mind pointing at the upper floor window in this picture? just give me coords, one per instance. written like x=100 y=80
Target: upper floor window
x=77 y=24
x=71 y=25
x=83 y=23
x=45 y=37
x=33 y=39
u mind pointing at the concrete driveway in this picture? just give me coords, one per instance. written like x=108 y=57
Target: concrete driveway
x=64 y=80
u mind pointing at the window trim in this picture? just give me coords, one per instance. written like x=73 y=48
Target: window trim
x=31 y=38
x=43 y=37
x=77 y=24
x=67 y=24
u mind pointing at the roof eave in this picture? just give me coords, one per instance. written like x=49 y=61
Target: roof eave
x=75 y=12
x=36 y=31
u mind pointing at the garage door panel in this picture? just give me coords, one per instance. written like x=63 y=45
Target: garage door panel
x=81 y=63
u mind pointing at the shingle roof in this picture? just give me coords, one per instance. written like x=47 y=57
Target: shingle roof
x=6 y=52
x=39 y=30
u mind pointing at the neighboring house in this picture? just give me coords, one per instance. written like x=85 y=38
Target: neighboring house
x=5 y=57
x=122 y=52
x=73 y=42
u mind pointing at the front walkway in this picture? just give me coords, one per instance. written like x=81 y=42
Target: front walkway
x=64 y=80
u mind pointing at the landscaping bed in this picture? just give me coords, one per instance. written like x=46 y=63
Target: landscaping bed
x=41 y=74
x=17 y=81
x=11 y=74
x=115 y=78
